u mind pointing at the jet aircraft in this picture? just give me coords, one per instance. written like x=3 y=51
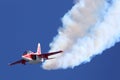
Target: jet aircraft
x=34 y=58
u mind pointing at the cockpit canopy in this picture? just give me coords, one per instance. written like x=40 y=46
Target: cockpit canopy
x=27 y=52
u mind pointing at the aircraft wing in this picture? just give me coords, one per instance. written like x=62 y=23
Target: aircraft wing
x=45 y=55
x=18 y=62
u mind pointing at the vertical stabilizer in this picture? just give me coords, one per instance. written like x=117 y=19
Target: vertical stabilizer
x=38 y=49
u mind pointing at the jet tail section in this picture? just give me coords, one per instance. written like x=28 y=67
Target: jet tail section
x=38 y=49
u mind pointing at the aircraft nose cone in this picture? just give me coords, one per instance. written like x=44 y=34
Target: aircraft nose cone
x=27 y=55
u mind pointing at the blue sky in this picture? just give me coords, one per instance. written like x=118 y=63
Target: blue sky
x=25 y=23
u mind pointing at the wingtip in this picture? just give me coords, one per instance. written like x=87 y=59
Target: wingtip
x=9 y=64
x=61 y=51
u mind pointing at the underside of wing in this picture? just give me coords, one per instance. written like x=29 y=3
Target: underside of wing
x=18 y=62
x=45 y=55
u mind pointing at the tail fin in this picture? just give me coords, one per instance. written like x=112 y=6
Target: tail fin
x=38 y=49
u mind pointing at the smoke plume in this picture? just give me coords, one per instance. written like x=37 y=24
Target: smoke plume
x=89 y=28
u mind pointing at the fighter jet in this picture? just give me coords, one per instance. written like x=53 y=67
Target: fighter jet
x=34 y=58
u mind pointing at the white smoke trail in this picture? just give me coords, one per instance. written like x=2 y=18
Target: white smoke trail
x=87 y=31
